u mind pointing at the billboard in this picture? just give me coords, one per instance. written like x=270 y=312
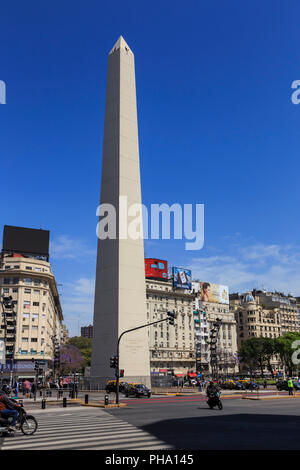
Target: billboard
x=156 y=269
x=26 y=240
x=182 y=278
x=216 y=293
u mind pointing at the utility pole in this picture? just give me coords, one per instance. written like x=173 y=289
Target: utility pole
x=213 y=346
x=114 y=360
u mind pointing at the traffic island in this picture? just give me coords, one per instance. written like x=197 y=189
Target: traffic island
x=102 y=405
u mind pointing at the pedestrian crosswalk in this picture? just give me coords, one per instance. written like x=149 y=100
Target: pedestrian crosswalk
x=80 y=429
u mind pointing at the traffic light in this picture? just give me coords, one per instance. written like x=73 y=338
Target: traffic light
x=114 y=362
x=171 y=316
x=122 y=373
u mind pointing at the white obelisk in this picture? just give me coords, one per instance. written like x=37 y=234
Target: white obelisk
x=120 y=291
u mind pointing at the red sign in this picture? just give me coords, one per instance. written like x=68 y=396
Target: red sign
x=156 y=269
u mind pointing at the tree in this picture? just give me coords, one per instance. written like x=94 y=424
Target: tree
x=253 y=354
x=71 y=359
x=285 y=350
x=85 y=347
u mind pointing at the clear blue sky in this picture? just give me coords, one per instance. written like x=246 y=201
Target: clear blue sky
x=216 y=126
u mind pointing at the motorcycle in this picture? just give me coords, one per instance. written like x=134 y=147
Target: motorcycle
x=215 y=401
x=25 y=423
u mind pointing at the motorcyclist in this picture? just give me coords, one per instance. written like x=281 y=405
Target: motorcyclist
x=212 y=389
x=8 y=407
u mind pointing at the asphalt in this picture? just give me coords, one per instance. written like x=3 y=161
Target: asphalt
x=241 y=425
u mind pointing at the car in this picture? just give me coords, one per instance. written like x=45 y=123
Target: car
x=111 y=386
x=137 y=390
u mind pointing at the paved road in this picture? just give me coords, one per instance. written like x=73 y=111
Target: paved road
x=82 y=428
x=242 y=424
x=168 y=423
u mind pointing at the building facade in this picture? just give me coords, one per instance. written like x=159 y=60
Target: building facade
x=37 y=325
x=172 y=348
x=206 y=315
x=87 y=331
x=264 y=314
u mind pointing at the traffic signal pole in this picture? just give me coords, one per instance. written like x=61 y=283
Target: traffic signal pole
x=170 y=318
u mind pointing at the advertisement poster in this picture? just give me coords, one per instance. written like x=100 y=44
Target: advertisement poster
x=182 y=278
x=216 y=293
x=156 y=269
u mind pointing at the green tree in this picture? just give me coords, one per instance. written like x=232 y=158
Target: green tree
x=285 y=350
x=252 y=354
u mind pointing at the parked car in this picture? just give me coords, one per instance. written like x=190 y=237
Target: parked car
x=137 y=390
x=111 y=386
x=283 y=385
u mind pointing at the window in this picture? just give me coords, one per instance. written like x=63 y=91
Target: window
x=27 y=281
x=34 y=340
x=25 y=340
x=24 y=351
x=15 y=289
x=35 y=315
x=36 y=282
x=34 y=327
x=25 y=315
x=15 y=280
x=6 y=280
x=29 y=268
x=27 y=291
x=5 y=291
x=36 y=291
x=37 y=269
x=36 y=304
x=16 y=266
x=7 y=267
x=26 y=304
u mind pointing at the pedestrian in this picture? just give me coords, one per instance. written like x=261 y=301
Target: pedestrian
x=200 y=386
x=265 y=383
x=290 y=386
x=33 y=388
x=26 y=388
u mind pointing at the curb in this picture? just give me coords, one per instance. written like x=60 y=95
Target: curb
x=96 y=405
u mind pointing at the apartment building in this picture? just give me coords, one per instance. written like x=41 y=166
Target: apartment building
x=172 y=348
x=31 y=332
x=264 y=314
x=206 y=315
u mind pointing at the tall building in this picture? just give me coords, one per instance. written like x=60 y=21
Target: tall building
x=120 y=291
x=172 y=348
x=264 y=314
x=36 y=324
x=206 y=314
x=87 y=331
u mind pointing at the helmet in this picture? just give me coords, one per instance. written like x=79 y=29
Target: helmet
x=6 y=389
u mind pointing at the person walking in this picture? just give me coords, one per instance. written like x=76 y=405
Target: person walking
x=290 y=386
x=265 y=384
x=26 y=388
